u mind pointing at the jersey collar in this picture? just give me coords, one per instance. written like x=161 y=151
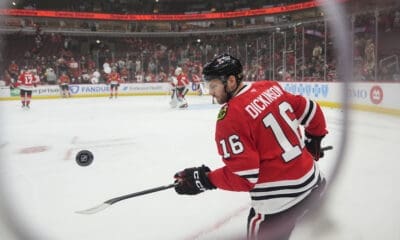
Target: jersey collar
x=244 y=89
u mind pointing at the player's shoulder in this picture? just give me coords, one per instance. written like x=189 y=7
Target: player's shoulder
x=231 y=112
x=264 y=88
x=264 y=84
x=252 y=92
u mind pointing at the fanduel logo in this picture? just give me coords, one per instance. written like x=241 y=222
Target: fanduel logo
x=74 y=89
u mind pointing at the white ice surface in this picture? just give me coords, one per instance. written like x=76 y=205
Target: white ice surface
x=139 y=143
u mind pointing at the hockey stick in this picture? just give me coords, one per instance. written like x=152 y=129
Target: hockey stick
x=112 y=201
x=326 y=148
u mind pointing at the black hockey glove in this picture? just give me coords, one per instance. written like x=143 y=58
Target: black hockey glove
x=313 y=145
x=192 y=181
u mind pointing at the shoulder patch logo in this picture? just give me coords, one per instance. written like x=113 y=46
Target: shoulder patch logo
x=222 y=112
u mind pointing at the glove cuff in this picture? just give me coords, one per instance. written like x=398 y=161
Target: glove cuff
x=204 y=178
x=313 y=145
x=309 y=136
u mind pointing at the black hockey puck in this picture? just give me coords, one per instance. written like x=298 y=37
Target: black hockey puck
x=84 y=158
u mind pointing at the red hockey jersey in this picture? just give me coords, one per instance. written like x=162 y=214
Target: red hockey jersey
x=27 y=80
x=182 y=80
x=114 y=78
x=259 y=138
x=64 y=80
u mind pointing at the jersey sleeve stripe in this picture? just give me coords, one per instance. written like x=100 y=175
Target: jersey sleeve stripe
x=309 y=109
x=252 y=178
x=305 y=111
x=251 y=175
x=312 y=114
x=247 y=172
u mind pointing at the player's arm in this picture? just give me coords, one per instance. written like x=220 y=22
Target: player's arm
x=174 y=82
x=242 y=162
x=185 y=81
x=240 y=172
x=310 y=115
x=21 y=79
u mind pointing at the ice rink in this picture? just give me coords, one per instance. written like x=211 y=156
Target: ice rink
x=139 y=143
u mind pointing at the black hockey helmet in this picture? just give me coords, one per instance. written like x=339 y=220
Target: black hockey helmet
x=222 y=67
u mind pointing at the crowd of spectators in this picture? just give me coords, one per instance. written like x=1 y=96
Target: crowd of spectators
x=376 y=50
x=154 y=59
x=287 y=54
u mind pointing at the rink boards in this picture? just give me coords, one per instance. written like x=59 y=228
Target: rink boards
x=375 y=97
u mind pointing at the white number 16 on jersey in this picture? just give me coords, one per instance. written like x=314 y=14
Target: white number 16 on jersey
x=290 y=152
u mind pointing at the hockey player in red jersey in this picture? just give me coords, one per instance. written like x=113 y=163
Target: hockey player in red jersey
x=180 y=89
x=114 y=79
x=27 y=80
x=264 y=153
x=64 y=82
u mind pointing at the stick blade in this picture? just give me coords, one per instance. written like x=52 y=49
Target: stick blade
x=95 y=209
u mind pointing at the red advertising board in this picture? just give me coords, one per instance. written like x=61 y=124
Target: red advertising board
x=163 y=17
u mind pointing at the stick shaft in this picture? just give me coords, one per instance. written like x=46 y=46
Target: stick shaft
x=135 y=194
x=111 y=201
x=326 y=148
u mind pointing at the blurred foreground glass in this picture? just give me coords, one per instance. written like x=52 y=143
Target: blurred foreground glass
x=12 y=225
